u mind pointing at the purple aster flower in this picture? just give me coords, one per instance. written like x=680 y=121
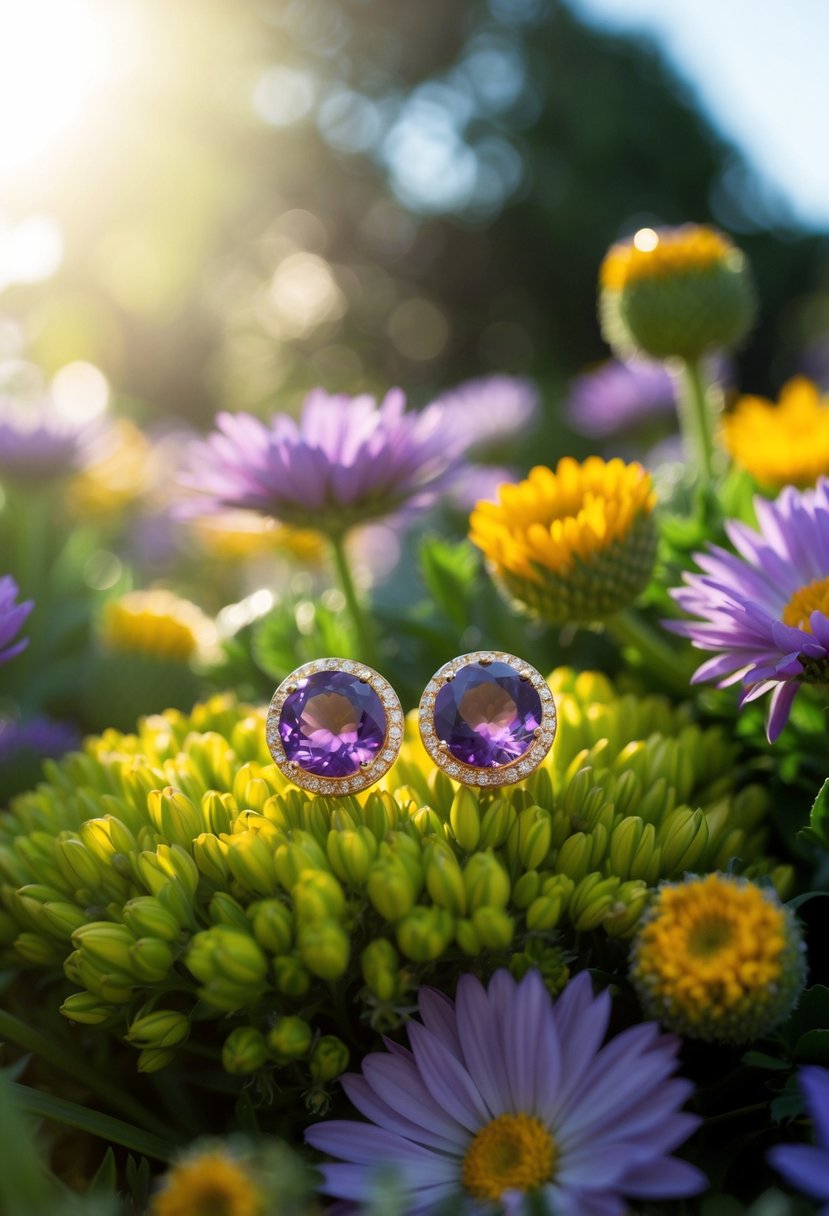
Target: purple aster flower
x=503 y=1094
x=39 y=444
x=344 y=462
x=476 y=482
x=12 y=616
x=490 y=410
x=39 y=737
x=616 y=396
x=766 y=611
x=805 y=1166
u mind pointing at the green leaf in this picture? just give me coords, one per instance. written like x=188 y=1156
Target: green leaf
x=789 y=1102
x=799 y=900
x=47 y=1106
x=813 y=1047
x=812 y=1013
x=759 y=1059
x=818 y=830
x=105 y=1179
x=449 y=571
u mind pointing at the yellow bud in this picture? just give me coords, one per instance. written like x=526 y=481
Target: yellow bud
x=380 y=965
x=78 y=865
x=291 y=977
x=105 y=943
x=429 y=823
x=225 y=910
x=574 y=856
x=444 y=880
x=526 y=889
x=544 y=912
x=534 y=837
x=227 y=954
x=161 y=1028
x=146 y=916
x=350 y=853
x=294 y=859
x=486 y=881
x=625 y=912
x=175 y=816
x=624 y=842
x=465 y=818
x=87 y=1008
x=329 y=1058
x=467 y=937
x=494 y=927
x=153 y=1059
x=251 y=863
x=216 y=814
x=390 y=888
x=425 y=933
x=317 y=896
x=61 y=918
x=210 y=855
x=684 y=839
x=244 y=1050
x=324 y=947
x=289 y=1039
x=150 y=960
x=497 y=820
x=272 y=925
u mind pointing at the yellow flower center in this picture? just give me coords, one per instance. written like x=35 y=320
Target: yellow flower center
x=155 y=623
x=713 y=948
x=554 y=519
x=210 y=1185
x=814 y=597
x=512 y=1153
x=785 y=443
x=652 y=254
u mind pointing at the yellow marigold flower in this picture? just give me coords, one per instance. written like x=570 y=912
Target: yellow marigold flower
x=211 y=1184
x=576 y=544
x=783 y=444
x=236 y=536
x=674 y=292
x=156 y=623
x=118 y=478
x=718 y=958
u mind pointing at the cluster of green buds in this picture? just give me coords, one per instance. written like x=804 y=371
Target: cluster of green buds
x=195 y=901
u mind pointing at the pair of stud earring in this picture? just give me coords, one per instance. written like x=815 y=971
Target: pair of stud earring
x=335 y=726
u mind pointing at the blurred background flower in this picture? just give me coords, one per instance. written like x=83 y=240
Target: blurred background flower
x=12 y=616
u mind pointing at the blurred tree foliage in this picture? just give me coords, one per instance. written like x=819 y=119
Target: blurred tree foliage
x=366 y=192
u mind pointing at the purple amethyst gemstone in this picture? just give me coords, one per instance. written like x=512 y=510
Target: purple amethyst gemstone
x=487 y=715
x=332 y=724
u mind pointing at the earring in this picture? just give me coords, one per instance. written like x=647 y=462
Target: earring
x=334 y=726
x=487 y=718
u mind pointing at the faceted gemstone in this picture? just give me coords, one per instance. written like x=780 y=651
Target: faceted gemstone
x=487 y=715
x=332 y=724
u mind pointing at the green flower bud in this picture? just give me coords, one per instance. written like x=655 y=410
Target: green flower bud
x=61 y=918
x=534 y=837
x=444 y=880
x=486 y=881
x=251 y=863
x=225 y=910
x=625 y=840
x=429 y=823
x=467 y=937
x=544 y=913
x=272 y=925
x=350 y=853
x=390 y=888
x=289 y=1039
x=574 y=856
x=78 y=865
x=175 y=816
x=290 y=976
x=497 y=820
x=425 y=933
x=244 y=1050
x=177 y=863
x=317 y=896
x=526 y=889
x=210 y=855
x=407 y=851
x=380 y=965
x=153 y=1059
x=495 y=928
x=626 y=911
x=324 y=947
x=111 y=985
x=329 y=1058
x=591 y=901
x=150 y=960
x=146 y=916
x=87 y=1008
x=465 y=818
x=684 y=840
x=37 y=950
x=105 y=943
x=225 y=953
x=216 y=813
x=161 y=1028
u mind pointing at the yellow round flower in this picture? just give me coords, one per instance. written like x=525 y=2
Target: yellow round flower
x=120 y=476
x=211 y=1184
x=674 y=292
x=577 y=544
x=156 y=623
x=718 y=958
x=239 y=535
x=782 y=444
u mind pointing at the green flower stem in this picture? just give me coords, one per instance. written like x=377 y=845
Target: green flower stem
x=359 y=618
x=697 y=416
x=73 y=1065
x=630 y=629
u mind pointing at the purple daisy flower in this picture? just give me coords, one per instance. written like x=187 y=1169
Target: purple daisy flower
x=806 y=1166
x=12 y=616
x=490 y=410
x=39 y=444
x=503 y=1094
x=344 y=462
x=616 y=396
x=766 y=611
x=40 y=737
